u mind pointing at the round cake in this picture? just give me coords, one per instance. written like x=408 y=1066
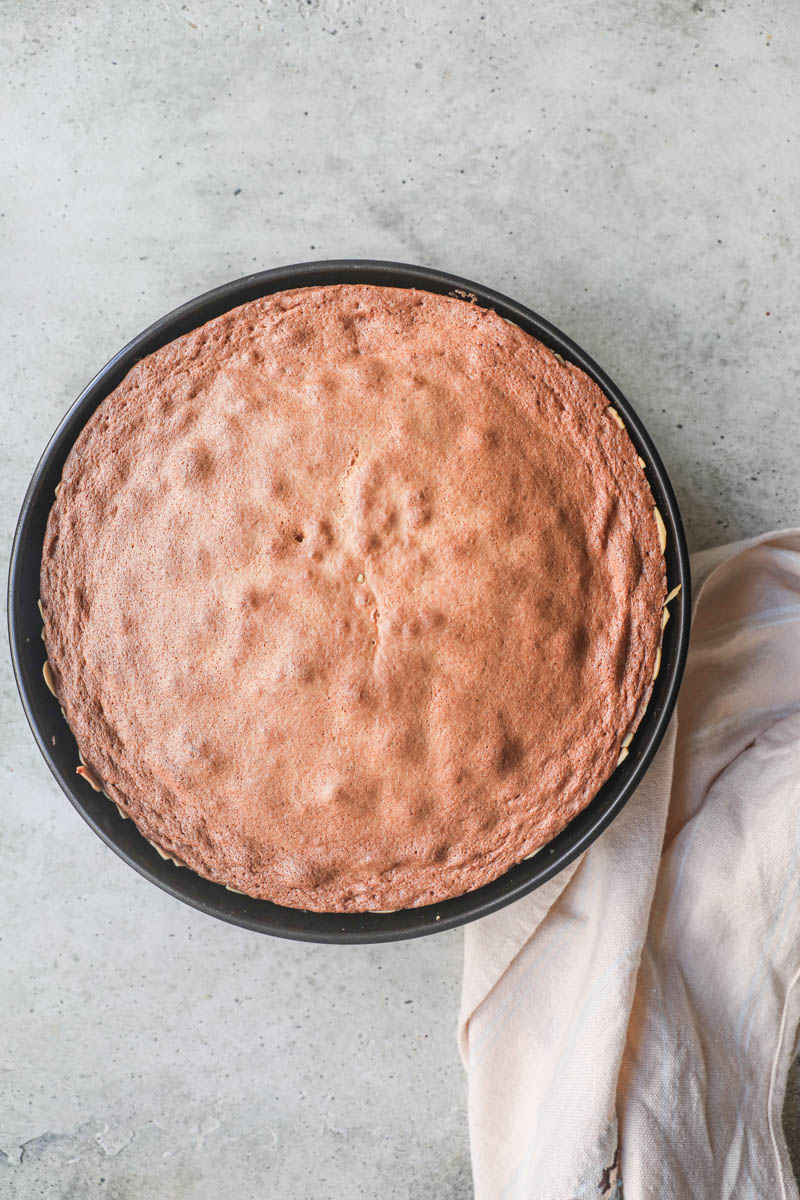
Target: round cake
x=353 y=597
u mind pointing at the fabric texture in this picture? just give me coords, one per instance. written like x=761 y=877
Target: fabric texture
x=637 y=1015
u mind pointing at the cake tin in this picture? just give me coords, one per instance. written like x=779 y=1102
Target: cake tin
x=58 y=746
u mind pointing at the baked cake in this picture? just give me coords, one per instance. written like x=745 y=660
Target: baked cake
x=353 y=597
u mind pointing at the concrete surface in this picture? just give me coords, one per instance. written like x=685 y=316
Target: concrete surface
x=631 y=170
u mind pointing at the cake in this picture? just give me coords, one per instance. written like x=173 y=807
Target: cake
x=353 y=597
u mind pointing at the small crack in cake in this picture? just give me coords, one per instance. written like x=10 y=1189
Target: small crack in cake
x=353 y=597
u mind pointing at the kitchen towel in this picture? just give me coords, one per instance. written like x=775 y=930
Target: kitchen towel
x=630 y=1024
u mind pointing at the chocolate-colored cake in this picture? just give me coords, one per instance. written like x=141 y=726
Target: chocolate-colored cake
x=353 y=596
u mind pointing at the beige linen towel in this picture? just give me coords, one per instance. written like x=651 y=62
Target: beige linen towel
x=640 y=1010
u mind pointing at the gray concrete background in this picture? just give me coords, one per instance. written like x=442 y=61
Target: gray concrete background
x=631 y=171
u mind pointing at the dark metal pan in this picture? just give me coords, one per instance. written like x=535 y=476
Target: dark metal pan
x=56 y=742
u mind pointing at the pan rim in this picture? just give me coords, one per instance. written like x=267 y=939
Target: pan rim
x=260 y=915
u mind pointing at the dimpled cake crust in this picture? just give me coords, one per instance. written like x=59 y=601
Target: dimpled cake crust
x=353 y=597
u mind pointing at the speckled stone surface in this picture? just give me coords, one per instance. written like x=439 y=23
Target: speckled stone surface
x=632 y=174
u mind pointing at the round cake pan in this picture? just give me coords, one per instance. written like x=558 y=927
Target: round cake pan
x=58 y=746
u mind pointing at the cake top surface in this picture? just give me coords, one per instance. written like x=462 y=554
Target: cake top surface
x=352 y=595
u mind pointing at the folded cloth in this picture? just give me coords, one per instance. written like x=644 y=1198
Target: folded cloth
x=637 y=1015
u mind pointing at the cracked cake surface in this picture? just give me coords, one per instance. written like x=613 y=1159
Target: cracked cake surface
x=352 y=595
